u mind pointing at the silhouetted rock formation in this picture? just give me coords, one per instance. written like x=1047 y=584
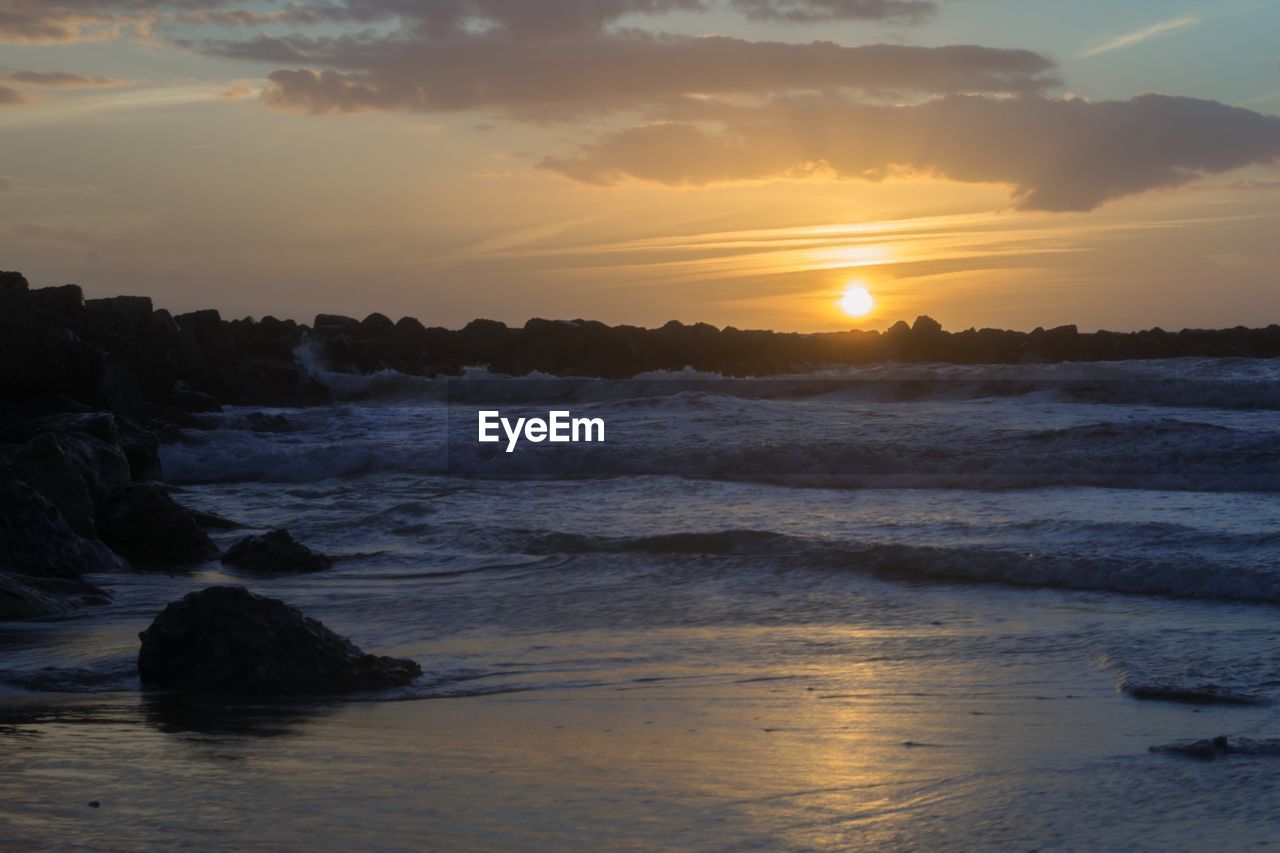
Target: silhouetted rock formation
x=124 y=356
x=226 y=640
x=273 y=552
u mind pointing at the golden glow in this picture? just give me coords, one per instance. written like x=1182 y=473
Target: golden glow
x=857 y=302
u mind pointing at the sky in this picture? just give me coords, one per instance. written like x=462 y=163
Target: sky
x=1007 y=163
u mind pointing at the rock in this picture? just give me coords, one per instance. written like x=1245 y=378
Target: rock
x=334 y=324
x=272 y=552
x=213 y=521
x=124 y=314
x=14 y=290
x=152 y=531
x=1190 y=694
x=24 y=597
x=375 y=325
x=60 y=302
x=140 y=447
x=36 y=541
x=44 y=464
x=926 y=325
x=1210 y=748
x=227 y=640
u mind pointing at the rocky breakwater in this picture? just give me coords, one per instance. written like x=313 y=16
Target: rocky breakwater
x=87 y=387
x=589 y=348
x=125 y=356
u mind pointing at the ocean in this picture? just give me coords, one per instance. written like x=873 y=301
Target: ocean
x=905 y=606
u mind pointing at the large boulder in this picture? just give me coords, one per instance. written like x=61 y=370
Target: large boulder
x=227 y=640
x=273 y=552
x=36 y=541
x=152 y=531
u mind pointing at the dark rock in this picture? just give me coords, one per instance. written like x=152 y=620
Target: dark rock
x=152 y=531
x=1210 y=748
x=375 y=325
x=46 y=464
x=334 y=324
x=227 y=640
x=60 y=302
x=189 y=400
x=123 y=314
x=24 y=597
x=140 y=447
x=273 y=552
x=199 y=321
x=1189 y=694
x=925 y=325
x=36 y=541
x=213 y=521
x=14 y=291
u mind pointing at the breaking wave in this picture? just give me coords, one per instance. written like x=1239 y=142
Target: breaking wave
x=1192 y=578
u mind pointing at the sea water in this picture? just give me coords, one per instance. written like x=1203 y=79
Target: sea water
x=880 y=606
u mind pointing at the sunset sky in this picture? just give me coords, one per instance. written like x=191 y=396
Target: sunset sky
x=1005 y=163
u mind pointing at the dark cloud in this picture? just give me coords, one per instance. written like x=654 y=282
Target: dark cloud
x=52 y=21
x=814 y=11
x=61 y=79
x=361 y=73
x=1059 y=154
x=559 y=17
x=11 y=97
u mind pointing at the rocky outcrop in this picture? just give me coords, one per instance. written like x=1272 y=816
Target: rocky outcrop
x=36 y=541
x=123 y=355
x=226 y=640
x=146 y=526
x=42 y=559
x=274 y=552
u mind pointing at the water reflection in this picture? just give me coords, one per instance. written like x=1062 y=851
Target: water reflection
x=178 y=714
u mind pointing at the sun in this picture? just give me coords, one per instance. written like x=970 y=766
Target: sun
x=856 y=302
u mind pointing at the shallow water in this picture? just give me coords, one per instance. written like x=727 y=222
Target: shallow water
x=712 y=631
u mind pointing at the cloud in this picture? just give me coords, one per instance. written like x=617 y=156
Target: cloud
x=561 y=17
x=11 y=97
x=64 y=21
x=814 y=11
x=1059 y=154
x=532 y=79
x=1144 y=34
x=61 y=80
